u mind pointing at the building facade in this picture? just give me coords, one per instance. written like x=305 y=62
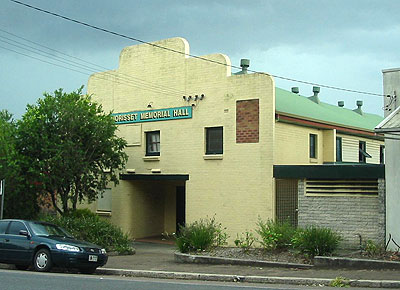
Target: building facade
x=204 y=142
x=391 y=128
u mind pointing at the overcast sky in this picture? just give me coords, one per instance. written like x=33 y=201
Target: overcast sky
x=342 y=43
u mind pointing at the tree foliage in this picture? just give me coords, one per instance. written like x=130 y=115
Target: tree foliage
x=68 y=143
x=20 y=199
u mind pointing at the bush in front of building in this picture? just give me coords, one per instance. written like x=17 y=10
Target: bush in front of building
x=316 y=241
x=275 y=235
x=86 y=225
x=201 y=235
x=245 y=241
x=373 y=249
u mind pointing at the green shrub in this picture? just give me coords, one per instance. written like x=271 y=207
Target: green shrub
x=245 y=241
x=340 y=282
x=86 y=225
x=200 y=236
x=316 y=241
x=275 y=235
x=373 y=249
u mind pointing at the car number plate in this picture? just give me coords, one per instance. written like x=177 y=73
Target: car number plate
x=92 y=258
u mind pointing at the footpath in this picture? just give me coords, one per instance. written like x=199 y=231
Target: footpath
x=158 y=261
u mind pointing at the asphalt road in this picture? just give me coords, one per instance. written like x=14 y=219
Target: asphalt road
x=25 y=280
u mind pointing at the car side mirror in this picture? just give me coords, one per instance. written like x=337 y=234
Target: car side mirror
x=24 y=233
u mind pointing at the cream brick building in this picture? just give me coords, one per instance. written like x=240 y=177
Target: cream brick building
x=203 y=142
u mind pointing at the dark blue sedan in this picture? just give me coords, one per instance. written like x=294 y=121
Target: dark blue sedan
x=44 y=245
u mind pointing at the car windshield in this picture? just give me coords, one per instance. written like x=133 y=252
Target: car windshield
x=45 y=229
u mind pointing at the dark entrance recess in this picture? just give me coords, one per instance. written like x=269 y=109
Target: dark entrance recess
x=180 y=207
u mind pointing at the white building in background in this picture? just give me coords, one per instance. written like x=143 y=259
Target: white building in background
x=390 y=126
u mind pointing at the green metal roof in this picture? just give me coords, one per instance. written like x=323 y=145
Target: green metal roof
x=295 y=105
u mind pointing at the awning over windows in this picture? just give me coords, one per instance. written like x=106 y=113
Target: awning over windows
x=123 y=176
x=330 y=171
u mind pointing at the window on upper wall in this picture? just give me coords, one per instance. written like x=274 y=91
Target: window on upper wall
x=339 y=149
x=153 y=143
x=382 y=154
x=362 y=152
x=104 y=201
x=313 y=146
x=214 y=140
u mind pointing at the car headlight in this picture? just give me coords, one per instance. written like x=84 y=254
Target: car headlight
x=103 y=251
x=68 y=248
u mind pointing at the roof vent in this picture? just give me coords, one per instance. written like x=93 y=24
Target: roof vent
x=295 y=90
x=340 y=104
x=244 y=64
x=315 y=98
x=359 y=105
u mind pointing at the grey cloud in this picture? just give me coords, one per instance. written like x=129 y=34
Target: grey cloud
x=337 y=30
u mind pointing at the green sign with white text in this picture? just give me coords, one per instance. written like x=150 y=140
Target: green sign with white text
x=153 y=115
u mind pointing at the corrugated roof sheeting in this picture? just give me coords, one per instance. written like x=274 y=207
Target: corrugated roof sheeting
x=297 y=105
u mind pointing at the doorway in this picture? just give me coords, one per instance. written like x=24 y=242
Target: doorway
x=180 y=207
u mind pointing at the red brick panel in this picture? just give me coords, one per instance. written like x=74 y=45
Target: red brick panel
x=247 y=121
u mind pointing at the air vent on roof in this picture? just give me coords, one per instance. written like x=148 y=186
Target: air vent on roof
x=244 y=64
x=359 y=105
x=295 y=90
x=315 y=98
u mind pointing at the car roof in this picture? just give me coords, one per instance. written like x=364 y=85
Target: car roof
x=26 y=221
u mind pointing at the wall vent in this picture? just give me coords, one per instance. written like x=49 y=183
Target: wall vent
x=342 y=187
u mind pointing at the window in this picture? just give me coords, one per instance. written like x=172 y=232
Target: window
x=214 y=140
x=3 y=227
x=104 y=202
x=15 y=228
x=382 y=154
x=338 y=149
x=362 y=152
x=153 y=143
x=313 y=146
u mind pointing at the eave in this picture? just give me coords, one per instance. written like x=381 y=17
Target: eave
x=284 y=117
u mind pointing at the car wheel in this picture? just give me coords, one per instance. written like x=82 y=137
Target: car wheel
x=42 y=261
x=87 y=270
x=22 y=267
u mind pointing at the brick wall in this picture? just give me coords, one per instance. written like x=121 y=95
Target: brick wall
x=247 y=121
x=237 y=186
x=351 y=216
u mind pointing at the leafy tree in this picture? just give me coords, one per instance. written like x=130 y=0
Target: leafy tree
x=20 y=199
x=7 y=131
x=68 y=142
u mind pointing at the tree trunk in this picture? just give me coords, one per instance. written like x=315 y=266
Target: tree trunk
x=54 y=201
x=64 y=200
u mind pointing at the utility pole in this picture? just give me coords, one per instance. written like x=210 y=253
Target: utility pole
x=2 y=183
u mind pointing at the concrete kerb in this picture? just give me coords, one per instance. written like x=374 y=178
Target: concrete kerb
x=248 y=279
x=198 y=259
x=339 y=262
x=319 y=262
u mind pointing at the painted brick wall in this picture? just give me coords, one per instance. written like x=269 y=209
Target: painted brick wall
x=237 y=186
x=351 y=216
x=247 y=121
